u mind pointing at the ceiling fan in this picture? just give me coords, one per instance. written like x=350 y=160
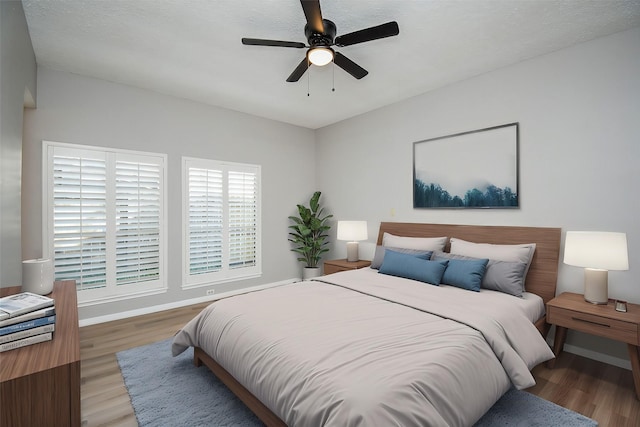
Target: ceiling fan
x=321 y=35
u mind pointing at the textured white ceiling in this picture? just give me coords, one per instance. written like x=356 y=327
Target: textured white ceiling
x=192 y=49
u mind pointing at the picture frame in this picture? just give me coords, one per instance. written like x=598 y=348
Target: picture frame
x=476 y=169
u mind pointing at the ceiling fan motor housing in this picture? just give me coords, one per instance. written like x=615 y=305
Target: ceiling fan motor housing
x=321 y=39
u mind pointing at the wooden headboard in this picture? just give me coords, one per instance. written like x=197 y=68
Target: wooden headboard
x=543 y=272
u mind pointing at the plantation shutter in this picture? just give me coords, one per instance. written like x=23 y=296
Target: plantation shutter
x=243 y=208
x=105 y=220
x=137 y=222
x=80 y=220
x=205 y=220
x=221 y=221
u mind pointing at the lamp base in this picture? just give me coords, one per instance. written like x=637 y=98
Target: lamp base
x=596 y=290
x=352 y=251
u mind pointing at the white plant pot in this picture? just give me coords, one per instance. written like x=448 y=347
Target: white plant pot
x=311 y=272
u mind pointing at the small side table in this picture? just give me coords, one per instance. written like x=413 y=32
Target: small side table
x=335 y=265
x=40 y=383
x=571 y=311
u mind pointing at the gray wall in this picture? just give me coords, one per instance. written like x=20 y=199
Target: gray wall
x=579 y=115
x=17 y=90
x=82 y=110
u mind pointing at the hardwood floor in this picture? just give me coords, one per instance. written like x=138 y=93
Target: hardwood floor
x=597 y=390
x=105 y=401
x=600 y=391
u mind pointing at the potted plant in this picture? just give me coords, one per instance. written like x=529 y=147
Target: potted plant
x=309 y=234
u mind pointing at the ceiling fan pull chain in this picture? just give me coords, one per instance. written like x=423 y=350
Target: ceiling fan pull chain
x=308 y=77
x=333 y=76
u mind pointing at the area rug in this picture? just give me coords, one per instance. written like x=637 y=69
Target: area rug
x=168 y=391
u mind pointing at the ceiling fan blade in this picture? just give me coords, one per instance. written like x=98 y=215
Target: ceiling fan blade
x=372 y=33
x=314 y=16
x=349 y=66
x=299 y=71
x=264 y=42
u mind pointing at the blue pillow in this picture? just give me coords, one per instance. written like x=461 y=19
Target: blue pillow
x=411 y=267
x=465 y=274
x=378 y=257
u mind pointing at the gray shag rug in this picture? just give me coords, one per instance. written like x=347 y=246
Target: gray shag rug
x=168 y=391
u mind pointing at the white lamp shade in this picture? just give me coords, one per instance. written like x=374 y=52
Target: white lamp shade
x=596 y=249
x=352 y=231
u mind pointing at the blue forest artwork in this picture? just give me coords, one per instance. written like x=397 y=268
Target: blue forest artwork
x=476 y=169
x=433 y=196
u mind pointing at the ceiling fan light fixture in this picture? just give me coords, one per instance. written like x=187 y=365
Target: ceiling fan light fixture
x=320 y=55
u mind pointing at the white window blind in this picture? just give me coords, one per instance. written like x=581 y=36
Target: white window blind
x=205 y=220
x=80 y=220
x=243 y=212
x=137 y=222
x=222 y=221
x=104 y=228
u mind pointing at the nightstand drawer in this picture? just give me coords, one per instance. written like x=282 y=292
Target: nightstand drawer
x=596 y=325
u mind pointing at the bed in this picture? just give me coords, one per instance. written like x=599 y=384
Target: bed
x=371 y=347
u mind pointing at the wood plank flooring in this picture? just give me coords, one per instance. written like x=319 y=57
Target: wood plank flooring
x=105 y=401
x=597 y=390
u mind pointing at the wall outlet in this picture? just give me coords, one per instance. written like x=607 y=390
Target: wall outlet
x=211 y=291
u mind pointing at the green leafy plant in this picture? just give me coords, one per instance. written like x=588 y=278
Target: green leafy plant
x=309 y=232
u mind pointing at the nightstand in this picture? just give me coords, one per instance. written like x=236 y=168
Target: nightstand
x=571 y=311
x=335 y=265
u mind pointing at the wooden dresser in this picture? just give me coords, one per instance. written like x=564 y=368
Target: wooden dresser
x=40 y=383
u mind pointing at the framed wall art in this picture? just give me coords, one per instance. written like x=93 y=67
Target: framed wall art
x=474 y=169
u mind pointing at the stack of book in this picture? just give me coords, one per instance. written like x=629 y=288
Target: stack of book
x=26 y=319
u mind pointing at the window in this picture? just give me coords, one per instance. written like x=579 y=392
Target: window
x=221 y=217
x=104 y=227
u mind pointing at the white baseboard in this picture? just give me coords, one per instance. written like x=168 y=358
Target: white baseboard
x=178 y=304
x=600 y=357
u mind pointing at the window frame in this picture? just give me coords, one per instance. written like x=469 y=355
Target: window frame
x=112 y=291
x=225 y=274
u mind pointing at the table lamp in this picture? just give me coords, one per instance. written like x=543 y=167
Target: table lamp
x=352 y=231
x=598 y=252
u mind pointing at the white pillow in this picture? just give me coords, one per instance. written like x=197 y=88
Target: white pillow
x=509 y=253
x=422 y=243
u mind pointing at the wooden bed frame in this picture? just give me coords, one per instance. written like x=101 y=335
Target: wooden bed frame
x=541 y=280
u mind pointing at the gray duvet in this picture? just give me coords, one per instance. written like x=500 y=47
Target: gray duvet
x=365 y=349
